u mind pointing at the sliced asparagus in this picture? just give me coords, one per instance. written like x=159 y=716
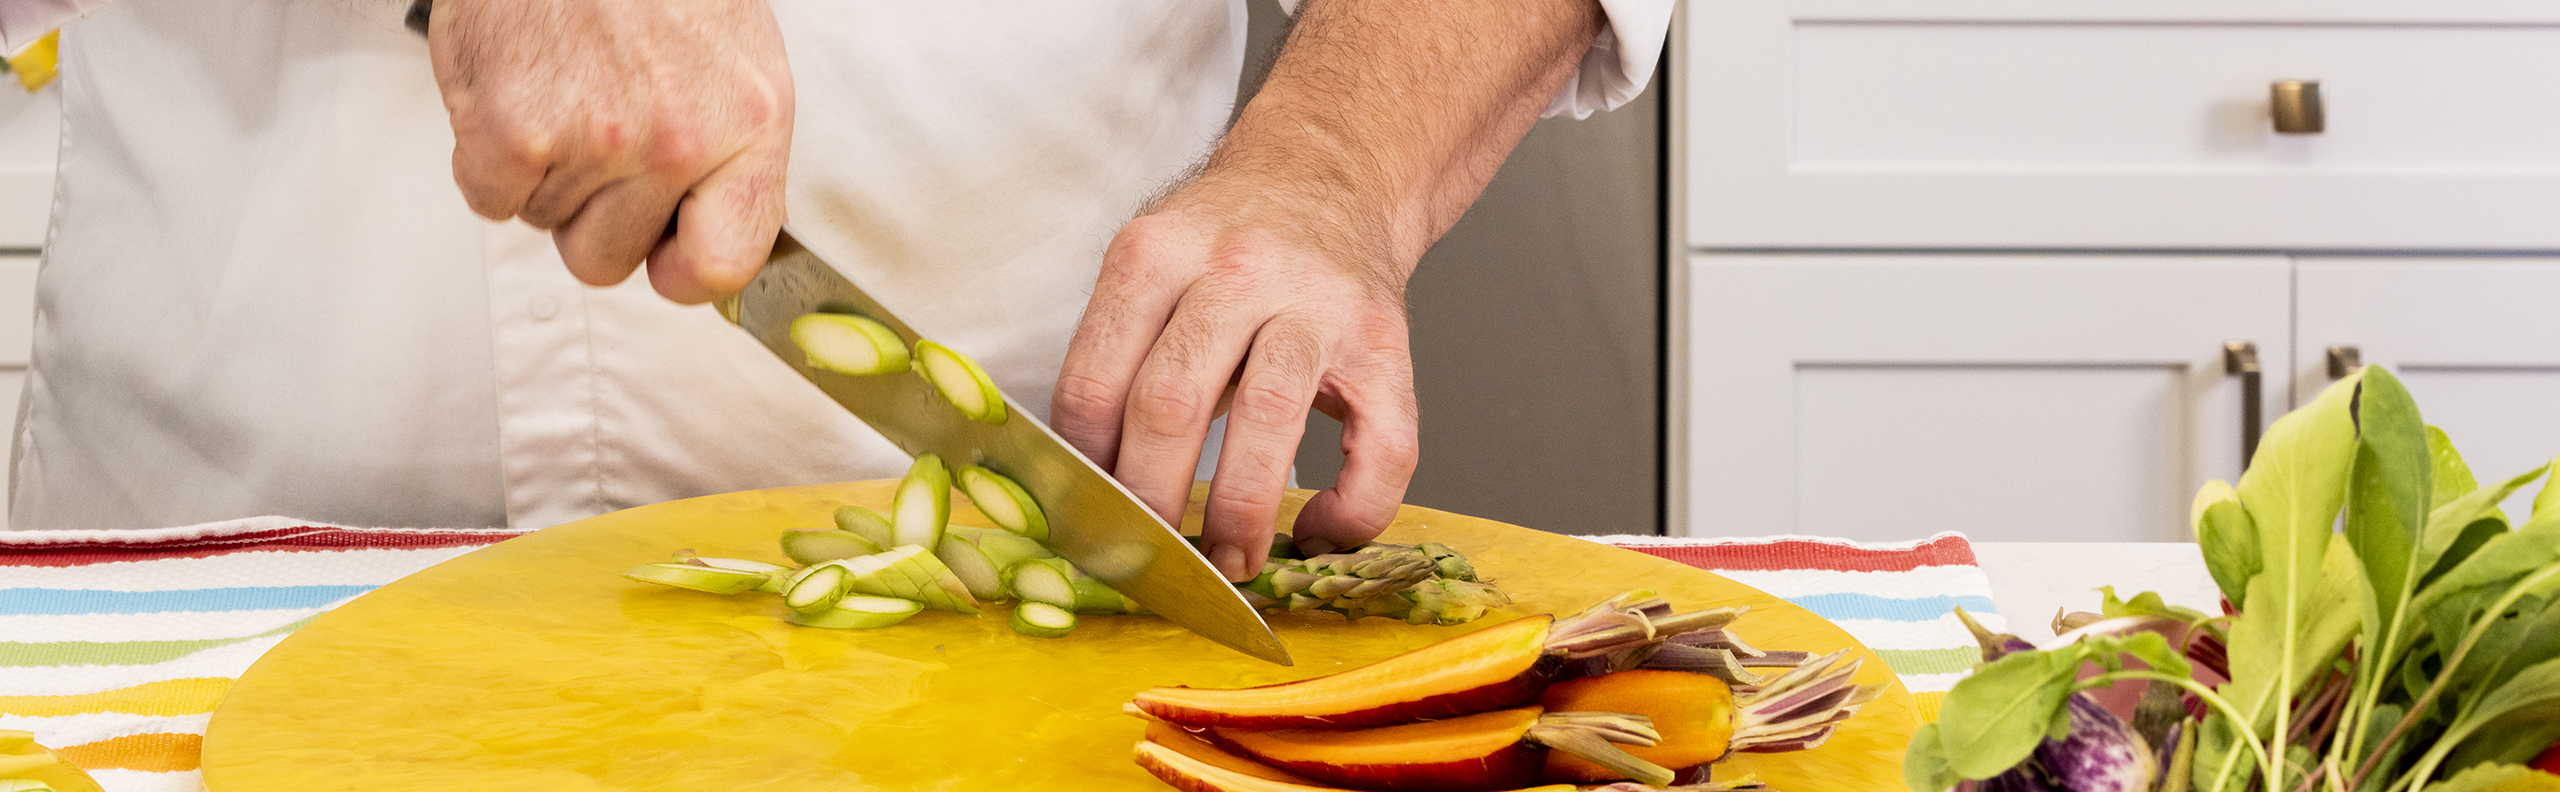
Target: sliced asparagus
x=696 y=577
x=1042 y=620
x=816 y=589
x=923 y=504
x=870 y=525
x=979 y=556
x=849 y=344
x=1004 y=502
x=908 y=572
x=961 y=381
x=1056 y=582
x=821 y=545
x=773 y=573
x=859 y=612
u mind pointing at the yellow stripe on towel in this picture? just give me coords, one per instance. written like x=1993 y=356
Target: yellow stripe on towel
x=168 y=697
x=151 y=753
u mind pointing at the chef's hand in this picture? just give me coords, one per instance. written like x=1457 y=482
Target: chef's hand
x=1279 y=272
x=1229 y=283
x=631 y=131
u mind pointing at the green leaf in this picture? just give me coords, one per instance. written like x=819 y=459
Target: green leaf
x=2149 y=647
x=2221 y=753
x=2273 y=656
x=2526 y=634
x=2546 y=504
x=2147 y=603
x=2293 y=491
x=1993 y=719
x=2512 y=744
x=2454 y=519
x=2532 y=695
x=1924 y=765
x=2499 y=778
x=2452 y=477
x=2387 y=502
x=2501 y=561
x=2229 y=540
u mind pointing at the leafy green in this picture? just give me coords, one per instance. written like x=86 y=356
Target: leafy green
x=1924 y=766
x=2531 y=695
x=1995 y=718
x=2222 y=754
x=2229 y=540
x=2454 y=519
x=2546 y=504
x=2387 y=501
x=2499 y=778
x=2452 y=477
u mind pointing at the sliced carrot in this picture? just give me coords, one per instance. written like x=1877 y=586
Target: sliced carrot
x=1694 y=713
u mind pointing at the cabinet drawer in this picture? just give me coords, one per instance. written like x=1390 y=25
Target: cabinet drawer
x=1998 y=123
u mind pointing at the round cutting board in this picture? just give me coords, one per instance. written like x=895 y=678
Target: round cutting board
x=533 y=665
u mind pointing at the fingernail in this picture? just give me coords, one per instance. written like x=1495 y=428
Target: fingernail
x=1314 y=547
x=1230 y=562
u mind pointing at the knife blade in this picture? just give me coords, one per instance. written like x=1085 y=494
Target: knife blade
x=1093 y=521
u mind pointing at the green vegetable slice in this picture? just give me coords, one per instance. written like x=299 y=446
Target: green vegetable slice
x=923 y=504
x=818 y=546
x=849 y=344
x=961 y=381
x=860 y=612
x=1004 y=502
x=1043 y=620
x=1042 y=580
x=773 y=573
x=817 y=589
x=696 y=577
x=980 y=555
x=872 y=526
x=908 y=572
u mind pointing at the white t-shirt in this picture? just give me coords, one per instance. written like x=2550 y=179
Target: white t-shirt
x=263 y=294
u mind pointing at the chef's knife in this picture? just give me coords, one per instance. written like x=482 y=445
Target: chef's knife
x=1093 y=521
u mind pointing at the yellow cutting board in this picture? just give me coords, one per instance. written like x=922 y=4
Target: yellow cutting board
x=533 y=665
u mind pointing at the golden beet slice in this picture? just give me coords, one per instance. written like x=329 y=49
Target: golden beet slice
x=1193 y=775
x=1694 y=713
x=1184 y=742
x=1503 y=666
x=1481 y=751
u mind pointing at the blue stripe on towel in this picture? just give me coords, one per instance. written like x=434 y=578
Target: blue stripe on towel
x=1868 y=606
x=50 y=602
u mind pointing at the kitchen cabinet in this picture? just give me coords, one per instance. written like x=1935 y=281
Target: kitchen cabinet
x=2013 y=397
x=1972 y=265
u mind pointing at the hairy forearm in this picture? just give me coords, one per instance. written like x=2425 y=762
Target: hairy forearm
x=1401 y=111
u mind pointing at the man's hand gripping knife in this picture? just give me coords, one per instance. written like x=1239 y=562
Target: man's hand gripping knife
x=652 y=131
x=1279 y=271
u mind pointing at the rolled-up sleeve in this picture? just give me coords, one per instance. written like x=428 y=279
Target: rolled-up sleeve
x=1621 y=59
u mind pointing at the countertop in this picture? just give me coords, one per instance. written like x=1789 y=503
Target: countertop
x=2029 y=580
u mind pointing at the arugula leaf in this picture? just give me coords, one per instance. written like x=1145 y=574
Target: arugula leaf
x=2499 y=778
x=1924 y=766
x=2499 y=563
x=2221 y=754
x=2229 y=540
x=2147 y=603
x=2149 y=647
x=2526 y=634
x=2452 y=477
x=2387 y=502
x=1993 y=719
x=2514 y=743
x=2293 y=490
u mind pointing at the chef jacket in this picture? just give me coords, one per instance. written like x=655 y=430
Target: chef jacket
x=263 y=294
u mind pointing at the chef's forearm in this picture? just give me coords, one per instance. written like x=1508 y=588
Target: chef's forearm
x=1401 y=110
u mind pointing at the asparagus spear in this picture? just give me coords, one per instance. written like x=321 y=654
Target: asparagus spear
x=922 y=505
x=849 y=344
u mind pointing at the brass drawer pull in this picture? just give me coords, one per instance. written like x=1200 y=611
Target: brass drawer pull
x=2296 y=105
x=2344 y=359
x=2240 y=359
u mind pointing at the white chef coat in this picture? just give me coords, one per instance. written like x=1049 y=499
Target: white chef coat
x=263 y=294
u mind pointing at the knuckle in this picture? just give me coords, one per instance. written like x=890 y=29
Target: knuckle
x=1163 y=406
x=1267 y=403
x=1085 y=400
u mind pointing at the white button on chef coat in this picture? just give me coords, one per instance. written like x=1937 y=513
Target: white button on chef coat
x=264 y=295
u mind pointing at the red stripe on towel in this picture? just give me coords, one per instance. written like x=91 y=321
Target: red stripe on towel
x=1806 y=554
x=292 y=540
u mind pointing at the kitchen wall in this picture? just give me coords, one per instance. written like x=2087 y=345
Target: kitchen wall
x=1536 y=326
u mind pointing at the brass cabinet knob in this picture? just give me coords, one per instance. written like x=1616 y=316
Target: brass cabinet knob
x=2296 y=106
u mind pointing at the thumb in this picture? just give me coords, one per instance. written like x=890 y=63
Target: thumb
x=722 y=232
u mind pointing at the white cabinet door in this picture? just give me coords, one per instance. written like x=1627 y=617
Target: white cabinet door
x=2477 y=340
x=2012 y=397
x=2122 y=124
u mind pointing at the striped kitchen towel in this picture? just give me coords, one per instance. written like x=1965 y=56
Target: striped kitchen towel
x=114 y=646
x=1898 y=598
